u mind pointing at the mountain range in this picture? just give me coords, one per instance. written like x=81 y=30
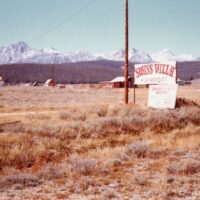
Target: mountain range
x=21 y=52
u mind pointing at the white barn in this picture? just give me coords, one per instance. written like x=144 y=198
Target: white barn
x=50 y=82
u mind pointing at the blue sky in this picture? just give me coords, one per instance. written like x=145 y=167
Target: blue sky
x=154 y=24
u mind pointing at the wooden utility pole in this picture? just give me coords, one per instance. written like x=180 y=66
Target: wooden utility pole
x=126 y=54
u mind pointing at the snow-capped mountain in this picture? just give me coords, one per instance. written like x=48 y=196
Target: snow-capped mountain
x=167 y=55
x=116 y=55
x=187 y=57
x=139 y=56
x=81 y=56
x=21 y=52
x=42 y=56
x=163 y=55
x=134 y=56
x=10 y=53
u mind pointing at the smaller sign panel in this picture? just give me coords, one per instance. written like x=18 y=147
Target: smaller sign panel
x=155 y=73
x=162 y=96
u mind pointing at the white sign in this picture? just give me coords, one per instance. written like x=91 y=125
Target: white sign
x=155 y=73
x=162 y=96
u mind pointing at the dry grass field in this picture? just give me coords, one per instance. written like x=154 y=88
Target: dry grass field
x=81 y=143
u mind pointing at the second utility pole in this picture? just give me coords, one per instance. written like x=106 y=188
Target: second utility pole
x=126 y=83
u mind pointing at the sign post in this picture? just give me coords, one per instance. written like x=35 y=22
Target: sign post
x=134 y=95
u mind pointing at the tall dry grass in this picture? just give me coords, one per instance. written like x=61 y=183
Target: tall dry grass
x=28 y=144
x=105 y=150
x=101 y=150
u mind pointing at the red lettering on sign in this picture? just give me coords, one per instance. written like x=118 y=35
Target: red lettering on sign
x=157 y=68
x=172 y=71
x=144 y=70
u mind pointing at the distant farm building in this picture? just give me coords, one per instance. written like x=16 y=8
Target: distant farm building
x=183 y=82
x=62 y=86
x=50 y=82
x=35 y=84
x=106 y=84
x=2 y=83
x=117 y=82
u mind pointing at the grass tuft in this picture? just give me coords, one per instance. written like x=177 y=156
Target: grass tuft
x=82 y=166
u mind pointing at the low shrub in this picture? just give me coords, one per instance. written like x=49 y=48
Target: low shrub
x=163 y=121
x=26 y=180
x=82 y=166
x=77 y=116
x=99 y=110
x=52 y=171
x=182 y=102
x=138 y=149
x=184 y=168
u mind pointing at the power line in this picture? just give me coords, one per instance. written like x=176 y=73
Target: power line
x=77 y=12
